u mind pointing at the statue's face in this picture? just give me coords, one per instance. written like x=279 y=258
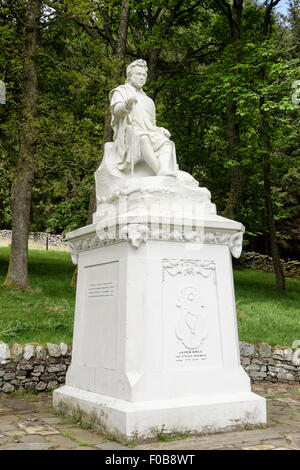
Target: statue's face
x=138 y=77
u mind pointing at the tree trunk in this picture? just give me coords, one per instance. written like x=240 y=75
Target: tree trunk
x=280 y=280
x=108 y=134
x=265 y=134
x=234 y=14
x=235 y=199
x=17 y=275
x=120 y=55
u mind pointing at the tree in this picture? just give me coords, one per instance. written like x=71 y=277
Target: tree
x=266 y=139
x=234 y=14
x=294 y=20
x=17 y=275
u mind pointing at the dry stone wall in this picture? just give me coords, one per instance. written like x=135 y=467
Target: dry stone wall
x=264 y=363
x=39 y=237
x=42 y=368
x=260 y=262
x=33 y=367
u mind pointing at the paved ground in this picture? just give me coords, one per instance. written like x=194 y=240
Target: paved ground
x=29 y=423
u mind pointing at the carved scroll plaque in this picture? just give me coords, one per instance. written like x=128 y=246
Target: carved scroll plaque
x=191 y=314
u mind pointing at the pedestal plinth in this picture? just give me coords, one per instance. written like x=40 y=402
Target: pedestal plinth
x=155 y=343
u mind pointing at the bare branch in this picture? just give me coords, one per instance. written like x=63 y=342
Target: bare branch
x=269 y=5
x=9 y=49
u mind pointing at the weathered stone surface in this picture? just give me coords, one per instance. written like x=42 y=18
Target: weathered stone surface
x=257 y=374
x=294 y=438
x=296 y=357
x=245 y=361
x=63 y=349
x=252 y=367
x=53 y=350
x=61 y=373
x=51 y=360
x=9 y=375
x=278 y=354
x=265 y=350
x=47 y=377
x=40 y=353
x=272 y=375
x=258 y=361
x=39 y=368
x=283 y=375
x=41 y=429
x=29 y=351
x=289 y=367
x=52 y=384
x=246 y=349
x=7 y=387
x=41 y=386
x=274 y=369
x=26 y=366
x=260 y=447
x=5 y=354
x=28 y=446
x=16 y=352
x=57 y=368
x=15 y=382
x=288 y=353
x=30 y=385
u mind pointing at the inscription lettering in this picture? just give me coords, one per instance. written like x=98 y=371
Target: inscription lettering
x=189 y=355
x=101 y=289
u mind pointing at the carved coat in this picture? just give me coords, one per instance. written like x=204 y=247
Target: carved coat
x=129 y=127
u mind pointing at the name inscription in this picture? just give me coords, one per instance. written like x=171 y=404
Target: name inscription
x=189 y=355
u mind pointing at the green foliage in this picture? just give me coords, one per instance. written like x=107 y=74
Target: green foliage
x=195 y=72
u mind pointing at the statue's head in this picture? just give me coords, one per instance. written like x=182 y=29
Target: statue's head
x=136 y=73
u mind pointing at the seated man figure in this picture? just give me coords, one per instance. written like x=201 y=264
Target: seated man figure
x=136 y=136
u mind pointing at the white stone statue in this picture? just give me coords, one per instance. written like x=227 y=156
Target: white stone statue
x=136 y=135
x=142 y=158
x=140 y=148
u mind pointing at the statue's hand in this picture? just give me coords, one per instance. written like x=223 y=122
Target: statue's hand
x=165 y=132
x=130 y=102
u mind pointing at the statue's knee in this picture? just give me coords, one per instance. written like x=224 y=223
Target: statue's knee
x=144 y=140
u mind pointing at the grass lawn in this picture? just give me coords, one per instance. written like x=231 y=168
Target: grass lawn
x=265 y=315
x=45 y=313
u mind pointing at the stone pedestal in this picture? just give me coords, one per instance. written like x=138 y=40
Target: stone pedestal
x=155 y=343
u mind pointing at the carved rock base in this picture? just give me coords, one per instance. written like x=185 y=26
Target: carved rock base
x=155 y=340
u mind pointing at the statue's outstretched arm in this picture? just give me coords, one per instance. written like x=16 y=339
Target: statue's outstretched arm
x=121 y=108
